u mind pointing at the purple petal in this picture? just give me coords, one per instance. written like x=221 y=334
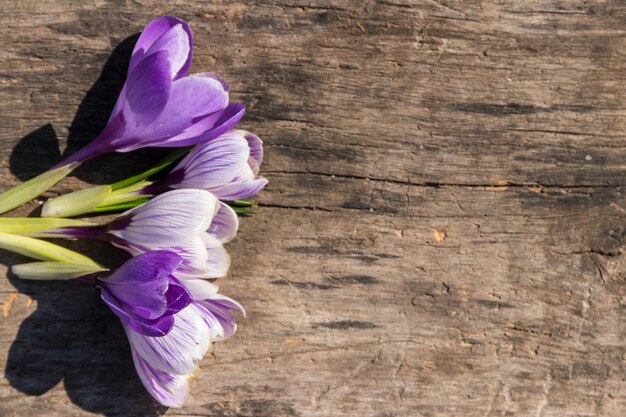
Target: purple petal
x=181 y=349
x=153 y=328
x=147 y=90
x=155 y=30
x=190 y=97
x=240 y=189
x=176 y=42
x=195 y=258
x=119 y=106
x=142 y=282
x=177 y=296
x=193 y=253
x=224 y=165
x=168 y=389
x=225 y=224
x=203 y=129
x=148 y=267
x=216 y=77
x=200 y=289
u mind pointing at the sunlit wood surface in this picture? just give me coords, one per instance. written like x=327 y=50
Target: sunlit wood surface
x=444 y=229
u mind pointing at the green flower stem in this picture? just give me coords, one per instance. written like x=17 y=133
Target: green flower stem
x=126 y=195
x=243 y=211
x=43 y=250
x=169 y=160
x=119 y=207
x=34 y=187
x=28 y=225
x=102 y=197
x=241 y=203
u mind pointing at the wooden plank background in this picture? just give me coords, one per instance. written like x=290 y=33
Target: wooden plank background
x=444 y=230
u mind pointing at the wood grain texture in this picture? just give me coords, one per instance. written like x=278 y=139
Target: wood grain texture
x=444 y=230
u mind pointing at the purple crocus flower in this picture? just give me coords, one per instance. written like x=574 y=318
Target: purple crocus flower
x=170 y=326
x=159 y=106
x=164 y=364
x=227 y=166
x=144 y=294
x=192 y=223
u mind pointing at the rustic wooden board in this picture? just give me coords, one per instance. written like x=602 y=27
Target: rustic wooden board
x=444 y=230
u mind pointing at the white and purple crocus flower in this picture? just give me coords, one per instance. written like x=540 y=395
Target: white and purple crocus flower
x=192 y=223
x=170 y=325
x=227 y=166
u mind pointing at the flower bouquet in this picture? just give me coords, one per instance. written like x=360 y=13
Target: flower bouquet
x=175 y=217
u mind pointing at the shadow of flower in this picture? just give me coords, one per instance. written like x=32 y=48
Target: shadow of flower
x=72 y=336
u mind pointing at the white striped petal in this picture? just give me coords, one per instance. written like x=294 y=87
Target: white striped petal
x=168 y=219
x=179 y=351
x=218 y=259
x=200 y=289
x=214 y=163
x=225 y=224
x=168 y=389
x=217 y=314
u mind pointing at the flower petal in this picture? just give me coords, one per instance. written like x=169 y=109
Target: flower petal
x=177 y=296
x=240 y=189
x=148 y=267
x=142 y=282
x=216 y=313
x=167 y=220
x=157 y=29
x=225 y=224
x=176 y=42
x=195 y=258
x=180 y=350
x=168 y=389
x=216 y=77
x=218 y=259
x=215 y=162
x=203 y=129
x=193 y=252
x=190 y=97
x=256 y=148
x=153 y=328
x=200 y=289
x=147 y=91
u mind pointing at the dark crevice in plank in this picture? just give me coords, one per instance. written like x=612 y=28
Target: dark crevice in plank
x=428 y=184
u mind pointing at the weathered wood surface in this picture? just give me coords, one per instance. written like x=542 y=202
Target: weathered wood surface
x=443 y=234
